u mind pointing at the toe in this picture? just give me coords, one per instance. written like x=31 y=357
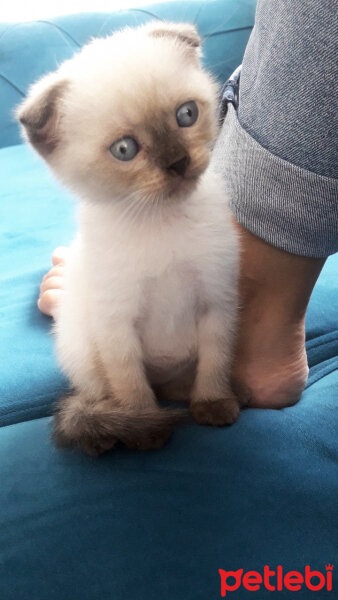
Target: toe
x=54 y=271
x=51 y=283
x=49 y=302
x=59 y=255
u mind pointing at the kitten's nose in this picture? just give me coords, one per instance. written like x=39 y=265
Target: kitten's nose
x=180 y=166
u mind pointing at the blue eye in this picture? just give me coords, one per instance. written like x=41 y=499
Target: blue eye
x=186 y=114
x=124 y=149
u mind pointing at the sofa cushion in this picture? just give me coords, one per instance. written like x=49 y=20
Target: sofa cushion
x=30 y=50
x=35 y=215
x=159 y=525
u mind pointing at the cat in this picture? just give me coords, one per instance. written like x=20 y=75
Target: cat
x=150 y=295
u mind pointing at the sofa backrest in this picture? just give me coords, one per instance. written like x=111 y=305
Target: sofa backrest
x=30 y=50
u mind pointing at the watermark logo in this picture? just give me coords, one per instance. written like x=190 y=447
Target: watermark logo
x=276 y=580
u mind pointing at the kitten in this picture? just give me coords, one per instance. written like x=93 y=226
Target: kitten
x=149 y=303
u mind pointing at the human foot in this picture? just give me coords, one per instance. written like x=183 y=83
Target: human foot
x=52 y=283
x=270 y=366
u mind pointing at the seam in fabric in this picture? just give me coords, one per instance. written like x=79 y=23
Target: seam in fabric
x=13 y=85
x=61 y=30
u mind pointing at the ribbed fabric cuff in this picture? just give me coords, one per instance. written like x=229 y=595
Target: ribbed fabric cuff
x=288 y=207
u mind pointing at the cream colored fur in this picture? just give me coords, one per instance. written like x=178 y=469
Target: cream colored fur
x=150 y=296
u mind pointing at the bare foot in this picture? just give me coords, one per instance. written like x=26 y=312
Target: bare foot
x=52 y=283
x=275 y=287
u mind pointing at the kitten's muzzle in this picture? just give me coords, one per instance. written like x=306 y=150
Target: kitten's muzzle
x=180 y=166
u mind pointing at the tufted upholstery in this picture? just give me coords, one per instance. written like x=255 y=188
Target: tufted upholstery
x=43 y=45
x=156 y=525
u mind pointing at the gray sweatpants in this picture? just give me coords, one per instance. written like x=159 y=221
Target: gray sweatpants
x=279 y=150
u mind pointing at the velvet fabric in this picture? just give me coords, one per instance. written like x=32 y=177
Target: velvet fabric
x=30 y=50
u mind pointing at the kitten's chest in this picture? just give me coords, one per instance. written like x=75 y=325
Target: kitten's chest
x=168 y=314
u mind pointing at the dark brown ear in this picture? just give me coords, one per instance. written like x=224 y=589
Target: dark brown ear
x=39 y=114
x=184 y=32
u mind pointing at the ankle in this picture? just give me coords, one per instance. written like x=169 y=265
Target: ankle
x=285 y=281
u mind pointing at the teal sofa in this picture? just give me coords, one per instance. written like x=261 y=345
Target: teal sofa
x=156 y=525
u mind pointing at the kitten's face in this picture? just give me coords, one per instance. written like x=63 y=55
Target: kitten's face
x=136 y=117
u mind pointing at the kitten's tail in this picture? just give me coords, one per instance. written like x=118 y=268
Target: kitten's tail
x=98 y=426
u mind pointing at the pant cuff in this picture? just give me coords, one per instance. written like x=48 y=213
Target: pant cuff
x=289 y=207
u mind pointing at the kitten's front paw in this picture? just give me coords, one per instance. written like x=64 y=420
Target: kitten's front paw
x=218 y=412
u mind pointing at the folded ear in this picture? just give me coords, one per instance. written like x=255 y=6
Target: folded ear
x=184 y=32
x=40 y=113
